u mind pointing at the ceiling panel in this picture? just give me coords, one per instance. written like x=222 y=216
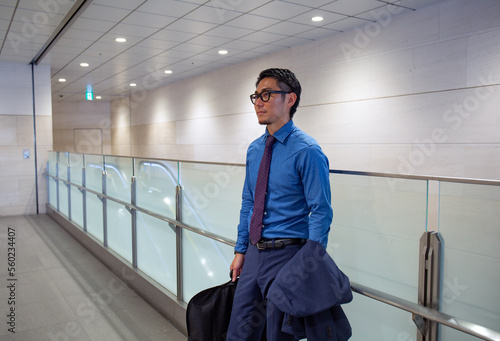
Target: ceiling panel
x=280 y=10
x=100 y=12
x=183 y=36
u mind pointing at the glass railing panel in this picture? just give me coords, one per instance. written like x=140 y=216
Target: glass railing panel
x=63 y=165
x=52 y=192
x=52 y=169
x=212 y=197
x=156 y=255
x=205 y=261
x=374 y=320
x=156 y=181
x=75 y=169
x=469 y=224
x=119 y=172
x=377 y=225
x=93 y=172
x=63 y=199
x=94 y=216
x=76 y=206
x=119 y=225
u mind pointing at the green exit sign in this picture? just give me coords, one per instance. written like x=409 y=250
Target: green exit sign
x=89 y=95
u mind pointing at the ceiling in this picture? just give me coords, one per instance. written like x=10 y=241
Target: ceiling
x=183 y=36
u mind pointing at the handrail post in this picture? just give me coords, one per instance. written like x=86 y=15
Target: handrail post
x=104 y=211
x=68 y=186
x=428 y=284
x=178 y=242
x=57 y=181
x=84 y=197
x=133 y=215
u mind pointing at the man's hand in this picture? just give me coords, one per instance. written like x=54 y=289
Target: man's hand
x=237 y=265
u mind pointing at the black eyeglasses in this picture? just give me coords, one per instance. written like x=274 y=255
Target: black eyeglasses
x=266 y=95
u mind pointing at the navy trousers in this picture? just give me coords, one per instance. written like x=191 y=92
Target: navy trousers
x=250 y=310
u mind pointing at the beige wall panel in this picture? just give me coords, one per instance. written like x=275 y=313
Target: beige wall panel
x=8 y=130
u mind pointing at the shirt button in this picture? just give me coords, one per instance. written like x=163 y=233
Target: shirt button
x=265 y=213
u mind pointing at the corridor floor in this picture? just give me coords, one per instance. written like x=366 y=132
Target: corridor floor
x=52 y=288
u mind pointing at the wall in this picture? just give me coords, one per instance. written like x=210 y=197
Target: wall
x=413 y=93
x=18 y=193
x=82 y=127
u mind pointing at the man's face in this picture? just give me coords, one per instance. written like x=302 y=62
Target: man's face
x=275 y=112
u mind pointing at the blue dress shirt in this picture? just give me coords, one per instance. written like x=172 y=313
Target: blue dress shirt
x=298 y=193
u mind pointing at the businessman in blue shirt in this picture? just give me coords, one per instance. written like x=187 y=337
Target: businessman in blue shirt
x=296 y=206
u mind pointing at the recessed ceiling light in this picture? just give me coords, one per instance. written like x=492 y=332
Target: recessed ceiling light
x=222 y=51
x=84 y=64
x=168 y=71
x=133 y=84
x=98 y=97
x=317 y=19
x=120 y=40
x=62 y=80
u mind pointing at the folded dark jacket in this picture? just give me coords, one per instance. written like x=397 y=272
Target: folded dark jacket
x=309 y=289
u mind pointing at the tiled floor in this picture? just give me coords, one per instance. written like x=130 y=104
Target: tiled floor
x=62 y=292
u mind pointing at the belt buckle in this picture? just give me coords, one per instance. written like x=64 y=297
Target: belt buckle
x=261 y=245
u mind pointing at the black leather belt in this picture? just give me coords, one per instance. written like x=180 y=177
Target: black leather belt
x=278 y=243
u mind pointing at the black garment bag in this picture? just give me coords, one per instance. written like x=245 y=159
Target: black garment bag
x=209 y=311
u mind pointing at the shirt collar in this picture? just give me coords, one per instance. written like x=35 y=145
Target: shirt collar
x=282 y=132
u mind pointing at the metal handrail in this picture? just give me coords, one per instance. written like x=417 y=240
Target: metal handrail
x=427 y=313
x=414 y=308
x=208 y=234
x=488 y=182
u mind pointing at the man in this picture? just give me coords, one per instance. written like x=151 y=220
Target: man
x=296 y=206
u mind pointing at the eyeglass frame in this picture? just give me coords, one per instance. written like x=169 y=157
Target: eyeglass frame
x=255 y=96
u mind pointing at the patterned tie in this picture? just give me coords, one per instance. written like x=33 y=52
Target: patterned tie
x=260 y=192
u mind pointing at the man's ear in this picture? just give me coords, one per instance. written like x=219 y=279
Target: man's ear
x=292 y=97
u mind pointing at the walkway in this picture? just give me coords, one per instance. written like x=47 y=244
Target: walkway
x=62 y=292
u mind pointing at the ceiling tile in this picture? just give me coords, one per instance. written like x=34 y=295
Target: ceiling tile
x=172 y=8
x=229 y=32
x=263 y=37
x=290 y=28
x=191 y=26
x=252 y=22
x=210 y=41
x=328 y=18
x=349 y=7
x=280 y=10
x=125 y=4
x=93 y=25
x=125 y=30
x=346 y=24
x=172 y=36
x=6 y=12
x=237 y=6
x=312 y=3
x=212 y=15
x=99 y=12
x=148 y=20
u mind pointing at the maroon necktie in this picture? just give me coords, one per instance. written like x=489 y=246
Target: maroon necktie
x=260 y=192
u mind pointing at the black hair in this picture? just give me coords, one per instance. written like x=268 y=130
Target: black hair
x=286 y=81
